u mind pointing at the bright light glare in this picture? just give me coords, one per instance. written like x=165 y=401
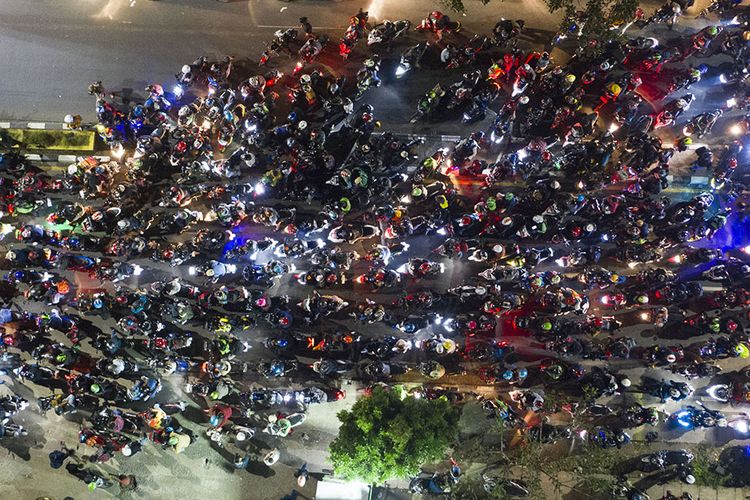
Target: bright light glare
x=731 y=102
x=260 y=188
x=177 y=91
x=746 y=249
x=400 y=70
x=118 y=151
x=644 y=316
x=614 y=128
x=722 y=78
x=740 y=426
x=735 y=129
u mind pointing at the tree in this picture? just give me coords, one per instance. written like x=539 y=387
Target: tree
x=385 y=436
x=601 y=15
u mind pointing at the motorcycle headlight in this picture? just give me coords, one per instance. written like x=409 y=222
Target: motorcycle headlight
x=400 y=70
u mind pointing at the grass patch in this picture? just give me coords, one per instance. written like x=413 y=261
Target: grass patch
x=54 y=140
x=704 y=467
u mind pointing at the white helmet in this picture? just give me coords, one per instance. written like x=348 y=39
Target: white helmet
x=186 y=69
x=305 y=79
x=69 y=119
x=625 y=382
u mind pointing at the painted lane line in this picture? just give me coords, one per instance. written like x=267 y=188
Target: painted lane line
x=67 y=158
x=37 y=125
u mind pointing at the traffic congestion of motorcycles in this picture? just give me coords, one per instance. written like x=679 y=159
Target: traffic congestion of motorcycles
x=260 y=237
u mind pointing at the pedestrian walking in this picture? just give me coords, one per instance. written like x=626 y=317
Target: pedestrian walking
x=306 y=27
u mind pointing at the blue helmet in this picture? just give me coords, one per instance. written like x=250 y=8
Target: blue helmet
x=214 y=420
x=703 y=69
x=523 y=372
x=507 y=375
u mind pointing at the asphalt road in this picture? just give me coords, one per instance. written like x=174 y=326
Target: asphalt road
x=52 y=50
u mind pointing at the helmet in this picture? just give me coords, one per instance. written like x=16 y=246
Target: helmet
x=690 y=479
x=547 y=326
x=302 y=125
x=524 y=99
x=713 y=30
x=625 y=382
x=687 y=141
x=604 y=66
x=523 y=372
x=721 y=422
x=671 y=358
x=95 y=388
x=126 y=451
x=214 y=420
x=703 y=69
x=305 y=79
x=570 y=78
x=674 y=393
x=186 y=69
x=507 y=375
x=746 y=35
x=69 y=119
x=369 y=63
x=214 y=395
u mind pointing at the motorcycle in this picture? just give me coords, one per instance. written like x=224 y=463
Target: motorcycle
x=725 y=393
x=411 y=58
x=309 y=52
x=691 y=417
x=702 y=124
x=282 y=426
x=696 y=370
x=276 y=368
x=385 y=33
x=282 y=38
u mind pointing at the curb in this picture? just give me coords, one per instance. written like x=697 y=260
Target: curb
x=63 y=159
x=33 y=125
x=61 y=126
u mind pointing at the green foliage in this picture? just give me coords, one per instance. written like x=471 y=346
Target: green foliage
x=458 y=5
x=601 y=15
x=704 y=468
x=385 y=437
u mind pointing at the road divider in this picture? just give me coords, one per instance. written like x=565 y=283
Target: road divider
x=49 y=140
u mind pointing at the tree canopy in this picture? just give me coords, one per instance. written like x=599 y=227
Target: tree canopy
x=385 y=437
x=601 y=14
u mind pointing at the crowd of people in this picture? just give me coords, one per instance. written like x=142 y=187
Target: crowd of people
x=233 y=215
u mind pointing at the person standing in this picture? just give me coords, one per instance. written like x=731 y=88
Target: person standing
x=306 y=27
